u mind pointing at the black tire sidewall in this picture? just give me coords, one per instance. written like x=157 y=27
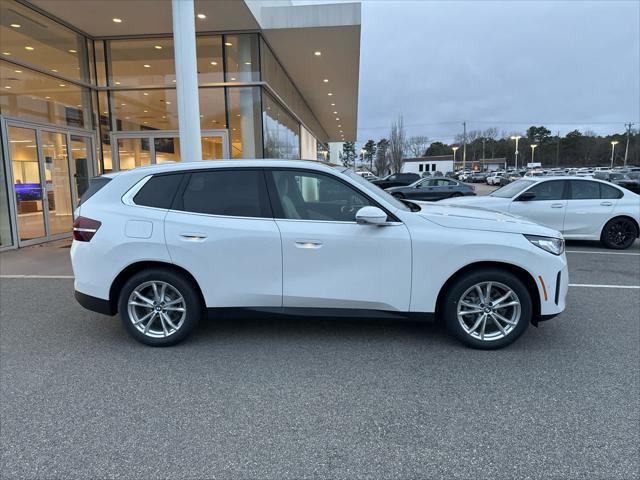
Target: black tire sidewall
x=604 y=235
x=461 y=284
x=180 y=283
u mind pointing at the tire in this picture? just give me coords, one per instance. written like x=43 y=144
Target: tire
x=160 y=332
x=619 y=233
x=472 y=335
x=398 y=196
x=457 y=194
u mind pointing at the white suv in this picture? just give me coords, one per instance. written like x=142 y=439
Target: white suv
x=164 y=245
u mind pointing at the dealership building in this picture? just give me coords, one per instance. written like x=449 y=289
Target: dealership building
x=89 y=87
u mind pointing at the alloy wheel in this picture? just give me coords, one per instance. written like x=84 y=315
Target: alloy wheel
x=489 y=311
x=156 y=309
x=621 y=233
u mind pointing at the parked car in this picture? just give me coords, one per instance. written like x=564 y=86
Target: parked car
x=165 y=244
x=621 y=179
x=367 y=175
x=580 y=208
x=477 y=177
x=494 y=178
x=425 y=174
x=508 y=178
x=432 y=189
x=397 y=180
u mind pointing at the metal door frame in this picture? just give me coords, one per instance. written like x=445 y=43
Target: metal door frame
x=152 y=134
x=8 y=122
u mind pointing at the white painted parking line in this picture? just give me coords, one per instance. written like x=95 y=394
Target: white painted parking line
x=602 y=253
x=587 y=285
x=36 y=276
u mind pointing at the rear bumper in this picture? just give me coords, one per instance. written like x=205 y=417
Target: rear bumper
x=95 y=304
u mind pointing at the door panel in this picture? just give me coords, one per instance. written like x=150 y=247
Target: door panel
x=549 y=206
x=27 y=184
x=586 y=212
x=345 y=265
x=58 y=186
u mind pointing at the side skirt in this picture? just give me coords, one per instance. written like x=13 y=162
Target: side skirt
x=257 y=312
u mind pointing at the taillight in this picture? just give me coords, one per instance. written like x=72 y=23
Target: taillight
x=85 y=228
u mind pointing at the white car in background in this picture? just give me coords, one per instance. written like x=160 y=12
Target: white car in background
x=494 y=178
x=164 y=245
x=581 y=208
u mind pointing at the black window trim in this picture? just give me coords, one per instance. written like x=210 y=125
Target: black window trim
x=129 y=197
x=268 y=210
x=277 y=209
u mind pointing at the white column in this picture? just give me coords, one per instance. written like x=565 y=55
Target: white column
x=184 y=46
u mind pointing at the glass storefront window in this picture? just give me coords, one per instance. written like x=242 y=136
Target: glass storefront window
x=210 y=65
x=281 y=130
x=33 y=38
x=136 y=62
x=134 y=152
x=244 y=117
x=57 y=186
x=242 y=57
x=30 y=95
x=104 y=128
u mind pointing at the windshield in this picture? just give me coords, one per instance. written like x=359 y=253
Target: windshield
x=512 y=189
x=368 y=186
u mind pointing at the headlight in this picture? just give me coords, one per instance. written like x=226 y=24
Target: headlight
x=549 y=244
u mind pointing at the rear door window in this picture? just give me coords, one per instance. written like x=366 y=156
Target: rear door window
x=584 y=190
x=235 y=193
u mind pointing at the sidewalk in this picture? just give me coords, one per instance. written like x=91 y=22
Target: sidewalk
x=48 y=260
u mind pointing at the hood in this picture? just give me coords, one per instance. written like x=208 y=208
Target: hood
x=484 y=201
x=396 y=189
x=477 y=218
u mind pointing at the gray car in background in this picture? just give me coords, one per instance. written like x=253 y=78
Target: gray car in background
x=433 y=188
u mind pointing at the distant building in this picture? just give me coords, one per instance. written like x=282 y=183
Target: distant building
x=433 y=163
x=488 y=164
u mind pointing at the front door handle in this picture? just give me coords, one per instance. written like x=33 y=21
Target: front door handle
x=312 y=244
x=606 y=204
x=557 y=205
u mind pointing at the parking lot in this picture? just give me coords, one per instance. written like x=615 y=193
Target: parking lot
x=299 y=397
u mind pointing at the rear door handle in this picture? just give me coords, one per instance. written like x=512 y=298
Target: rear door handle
x=193 y=237
x=557 y=205
x=606 y=204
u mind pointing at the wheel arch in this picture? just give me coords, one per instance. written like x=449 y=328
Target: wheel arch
x=519 y=272
x=132 y=269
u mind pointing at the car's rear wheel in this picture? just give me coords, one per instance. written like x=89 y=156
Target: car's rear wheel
x=398 y=196
x=159 y=307
x=487 y=308
x=456 y=194
x=619 y=233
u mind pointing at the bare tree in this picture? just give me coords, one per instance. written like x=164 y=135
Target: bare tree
x=417 y=145
x=381 y=162
x=397 y=142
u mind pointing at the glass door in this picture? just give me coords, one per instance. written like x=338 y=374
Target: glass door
x=55 y=158
x=81 y=162
x=28 y=184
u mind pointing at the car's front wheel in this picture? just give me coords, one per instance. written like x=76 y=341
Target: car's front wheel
x=619 y=233
x=159 y=307
x=487 y=308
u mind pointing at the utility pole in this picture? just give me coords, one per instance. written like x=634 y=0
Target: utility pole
x=558 y=150
x=464 y=146
x=483 y=162
x=626 y=150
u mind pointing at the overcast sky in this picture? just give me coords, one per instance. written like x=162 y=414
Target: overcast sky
x=509 y=64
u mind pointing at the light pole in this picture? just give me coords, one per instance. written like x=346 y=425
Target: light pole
x=362 y=151
x=533 y=150
x=517 y=139
x=455 y=149
x=613 y=149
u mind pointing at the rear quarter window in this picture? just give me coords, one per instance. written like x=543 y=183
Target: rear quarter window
x=609 y=192
x=159 y=191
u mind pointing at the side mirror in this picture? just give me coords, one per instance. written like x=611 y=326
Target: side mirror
x=526 y=196
x=371 y=216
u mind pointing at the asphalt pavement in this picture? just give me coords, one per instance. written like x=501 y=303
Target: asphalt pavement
x=295 y=397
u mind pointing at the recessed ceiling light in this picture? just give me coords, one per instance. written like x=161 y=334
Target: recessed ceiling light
x=168 y=103
x=173 y=81
x=18 y=71
x=201 y=116
x=47 y=98
x=71 y=50
x=54 y=70
x=146 y=111
x=61 y=85
x=164 y=116
x=117 y=83
x=29 y=47
x=145 y=122
x=333 y=104
x=146 y=65
x=214 y=63
x=78 y=105
x=15 y=25
x=6 y=53
x=247 y=63
x=335 y=113
x=228 y=44
x=329 y=93
x=7 y=87
x=123 y=104
x=317 y=53
x=117 y=20
x=326 y=80
x=158 y=47
x=339 y=126
x=202 y=16
x=233 y=79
